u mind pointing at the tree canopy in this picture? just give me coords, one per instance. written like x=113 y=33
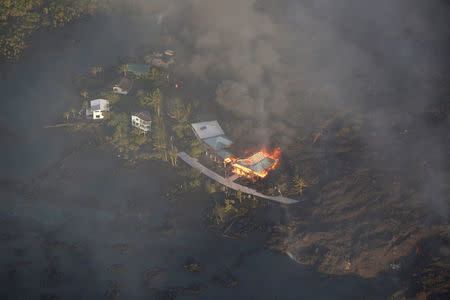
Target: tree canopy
x=20 y=18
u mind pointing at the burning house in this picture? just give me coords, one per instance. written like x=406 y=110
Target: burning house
x=213 y=140
x=216 y=145
x=256 y=165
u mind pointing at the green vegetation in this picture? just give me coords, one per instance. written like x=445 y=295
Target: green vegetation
x=125 y=139
x=158 y=78
x=170 y=119
x=153 y=99
x=96 y=70
x=123 y=69
x=231 y=213
x=20 y=18
x=194 y=267
x=113 y=98
x=299 y=184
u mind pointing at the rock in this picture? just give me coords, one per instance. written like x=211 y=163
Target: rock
x=116 y=268
x=172 y=293
x=225 y=278
x=194 y=289
x=153 y=274
x=191 y=265
x=113 y=292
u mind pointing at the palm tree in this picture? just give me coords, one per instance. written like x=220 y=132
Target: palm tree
x=173 y=155
x=96 y=70
x=282 y=188
x=161 y=146
x=123 y=69
x=73 y=111
x=156 y=99
x=239 y=195
x=84 y=94
x=67 y=115
x=299 y=184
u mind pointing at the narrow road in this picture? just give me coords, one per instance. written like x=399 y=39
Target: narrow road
x=228 y=182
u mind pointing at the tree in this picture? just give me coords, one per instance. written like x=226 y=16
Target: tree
x=299 y=184
x=20 y=18
x=229 y=205
x=73 y=111
x=125 y=139
x=123 y=69
x=111 y=96
x=153 y=99
x=67 y=115
x=84 y=94
x=96 y=70
x=282 y=188
x=160 y=138
x=173 y=156
x=156 y=99
x=239 y=195
x=178 y=110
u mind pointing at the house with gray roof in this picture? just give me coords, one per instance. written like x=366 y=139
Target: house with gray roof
x=213 y=139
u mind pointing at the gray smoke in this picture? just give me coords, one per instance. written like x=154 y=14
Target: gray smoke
x=295 y=64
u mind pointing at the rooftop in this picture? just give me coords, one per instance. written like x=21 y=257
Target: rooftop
x=218 y=142
x=258 y=162
x=125 y=84
x=143 y=115
x=224 y=153
x=207 y=129
x=100 y=104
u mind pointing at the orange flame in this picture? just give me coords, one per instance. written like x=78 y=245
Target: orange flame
x=176 y=85
x=249 y=173
x=274 y=155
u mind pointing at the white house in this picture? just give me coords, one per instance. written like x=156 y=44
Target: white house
x=142 y=120
x=123 y=87
x=97 y=109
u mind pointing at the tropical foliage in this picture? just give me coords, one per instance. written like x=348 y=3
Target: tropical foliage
x=125 y=139
x=20 y=18
x=112 y=97
x=153 y=99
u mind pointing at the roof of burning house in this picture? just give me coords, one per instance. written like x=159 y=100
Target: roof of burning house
x=207 y=129
x=258 y=162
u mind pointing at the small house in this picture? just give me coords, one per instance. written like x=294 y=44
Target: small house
x=123 y=87
x=98 y=109
x=142 y=120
